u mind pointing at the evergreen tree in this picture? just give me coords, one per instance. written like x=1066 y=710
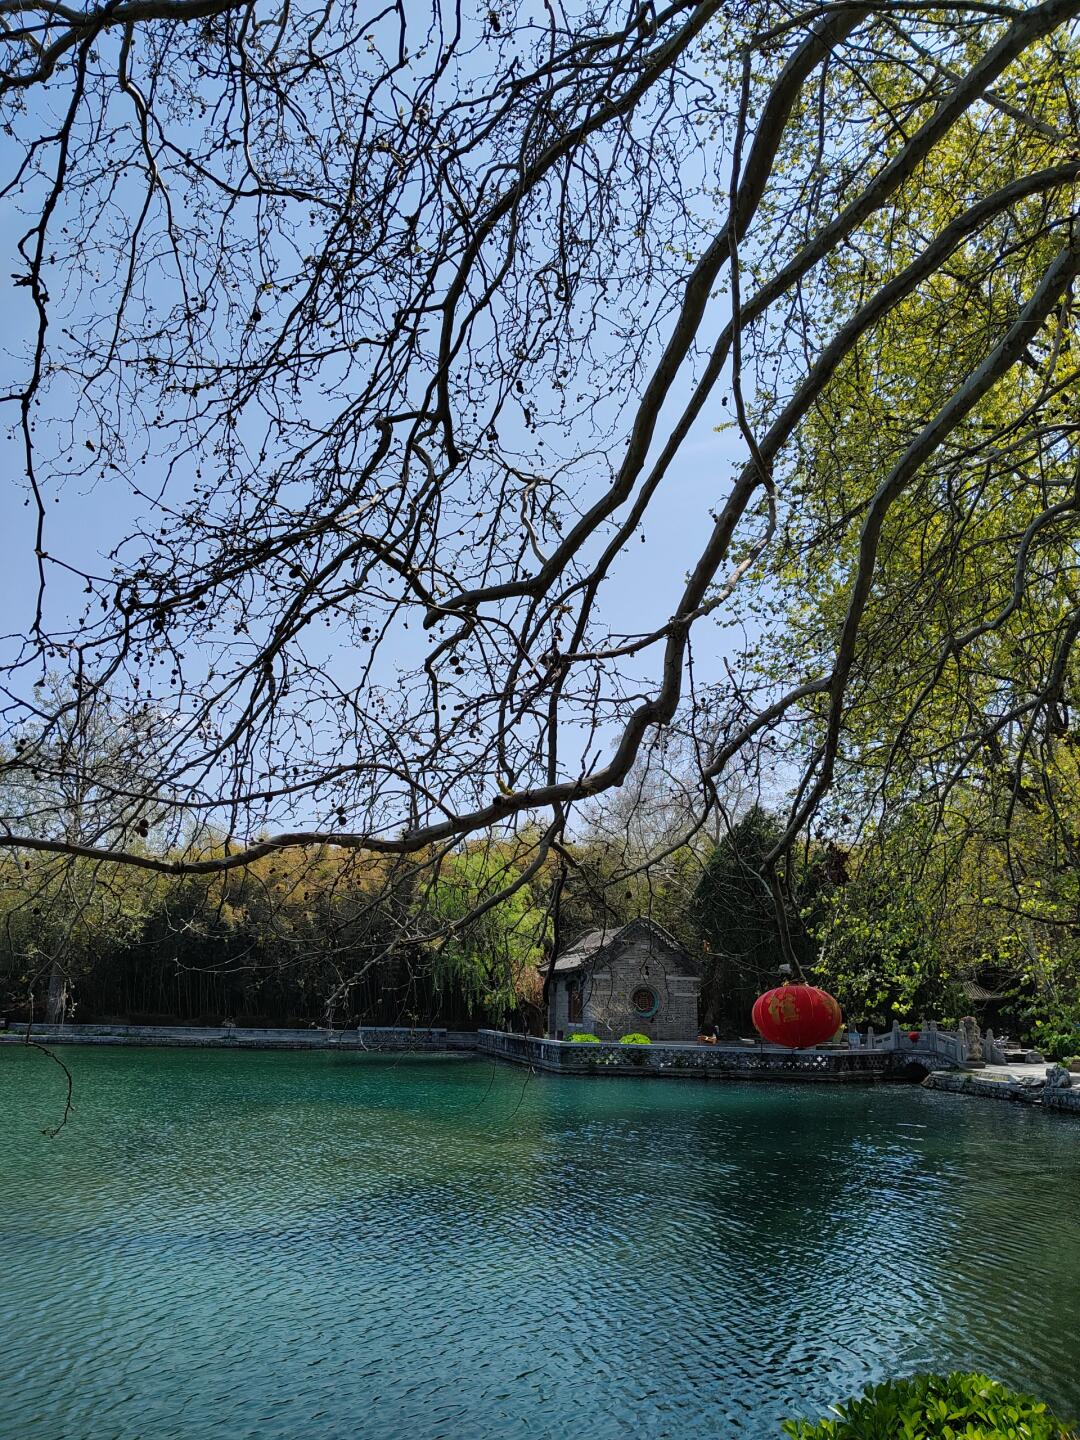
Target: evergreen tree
x=736 y=916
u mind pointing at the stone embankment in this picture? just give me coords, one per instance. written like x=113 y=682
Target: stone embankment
x=232 y=1037
x=1054 y=1090
x=858 y=1058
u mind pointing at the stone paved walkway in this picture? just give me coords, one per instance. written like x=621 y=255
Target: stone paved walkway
x=1011 y=1072
x=1041 y=1085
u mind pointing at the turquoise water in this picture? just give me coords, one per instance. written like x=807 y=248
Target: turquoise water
x=289 y=1245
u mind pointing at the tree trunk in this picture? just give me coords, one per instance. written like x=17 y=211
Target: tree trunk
x=56 y=1006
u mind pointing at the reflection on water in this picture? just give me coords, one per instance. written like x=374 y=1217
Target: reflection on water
x=282 y=1245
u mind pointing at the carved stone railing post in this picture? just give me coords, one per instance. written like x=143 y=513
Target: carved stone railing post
x=971 y=1041
x=994 y=1052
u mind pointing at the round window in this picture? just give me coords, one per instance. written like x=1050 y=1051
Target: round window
x=645 y=1001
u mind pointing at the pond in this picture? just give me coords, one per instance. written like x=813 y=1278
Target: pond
x=319 y=1245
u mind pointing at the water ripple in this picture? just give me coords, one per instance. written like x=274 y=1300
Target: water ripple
x=276 y=1245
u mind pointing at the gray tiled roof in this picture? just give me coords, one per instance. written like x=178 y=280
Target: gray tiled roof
x=587 y=949
x=974 y=991
x=584 y=949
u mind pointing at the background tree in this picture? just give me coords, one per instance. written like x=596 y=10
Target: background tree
x=492 y=957
x=80 y=776
x=734 y=910
x=885 y=947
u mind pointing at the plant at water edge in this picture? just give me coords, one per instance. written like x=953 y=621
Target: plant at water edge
x=936 y=1407
x=634 y=1048
x=1054 y=1044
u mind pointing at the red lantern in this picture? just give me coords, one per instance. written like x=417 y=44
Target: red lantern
x=913 y=1035
x=796 y=1016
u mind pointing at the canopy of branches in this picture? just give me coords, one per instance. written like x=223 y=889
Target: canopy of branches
x=383 y=338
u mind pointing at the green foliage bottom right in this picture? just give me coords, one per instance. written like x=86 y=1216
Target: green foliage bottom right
x=936 y=1407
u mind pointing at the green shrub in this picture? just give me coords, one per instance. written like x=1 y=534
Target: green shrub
x=634 y=1039
x=936 y=1407
x=584 y=1039
x=1054 y=1043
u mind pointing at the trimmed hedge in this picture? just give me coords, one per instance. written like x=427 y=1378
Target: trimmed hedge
x=584 y=1039
x=936 y=1407
x=634 y=1039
